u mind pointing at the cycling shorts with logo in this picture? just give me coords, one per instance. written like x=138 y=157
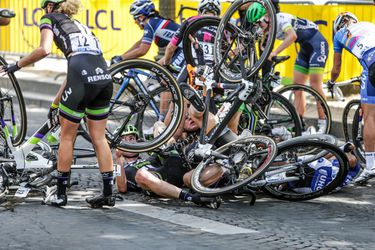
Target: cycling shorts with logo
x=313 y=55
x=368 y=89
x=88 y=89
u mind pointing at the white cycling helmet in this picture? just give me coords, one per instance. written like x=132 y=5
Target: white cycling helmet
x=142 y=7
x=342 y=19
x=209 y=5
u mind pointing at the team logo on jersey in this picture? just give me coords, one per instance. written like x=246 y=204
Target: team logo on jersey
x=321 y=58
x=99 y=71
x=370 y=56
x=84 y=72
x=66 y=94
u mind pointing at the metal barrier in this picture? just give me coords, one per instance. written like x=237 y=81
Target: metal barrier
x=357 y=2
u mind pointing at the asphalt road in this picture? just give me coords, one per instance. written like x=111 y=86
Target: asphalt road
x=342 y=220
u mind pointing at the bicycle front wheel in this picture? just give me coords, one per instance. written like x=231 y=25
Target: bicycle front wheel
x=12 y=106
x=144 y=92
x=248 y=42
x=348 y=117
x=305 y=169
x=249 y=157
x=315 y=108
x=357 y=133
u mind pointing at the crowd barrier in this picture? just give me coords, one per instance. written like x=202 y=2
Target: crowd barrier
x=112 y=24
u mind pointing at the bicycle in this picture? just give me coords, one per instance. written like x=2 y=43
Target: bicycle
x=270 y=111
x=356 y=118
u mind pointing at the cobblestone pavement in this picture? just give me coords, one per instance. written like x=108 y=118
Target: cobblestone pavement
x=342 y=220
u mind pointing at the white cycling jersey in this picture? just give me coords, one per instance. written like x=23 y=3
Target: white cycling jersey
x=286 y=21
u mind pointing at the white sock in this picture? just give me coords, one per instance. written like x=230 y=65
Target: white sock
x=370 y=160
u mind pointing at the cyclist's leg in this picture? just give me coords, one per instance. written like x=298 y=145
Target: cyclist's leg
x=209 y=176
x=317 y=62
x=368 y=107
x=300 y=77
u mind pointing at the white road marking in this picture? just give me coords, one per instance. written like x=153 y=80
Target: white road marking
x=181 y=219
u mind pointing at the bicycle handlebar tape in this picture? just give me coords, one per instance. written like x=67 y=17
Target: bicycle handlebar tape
x=192 y=96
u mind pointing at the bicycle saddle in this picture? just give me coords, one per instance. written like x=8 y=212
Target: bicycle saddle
x=279 y=59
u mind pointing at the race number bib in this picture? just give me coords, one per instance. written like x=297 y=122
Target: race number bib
x=84 y=43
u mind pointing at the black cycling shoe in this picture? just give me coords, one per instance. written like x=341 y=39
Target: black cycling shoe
x=101 y=200
x=58 y=200
x=192 y=95
x=210 y=202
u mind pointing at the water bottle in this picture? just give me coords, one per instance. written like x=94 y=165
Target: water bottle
x=282 y=132
x=54 y=135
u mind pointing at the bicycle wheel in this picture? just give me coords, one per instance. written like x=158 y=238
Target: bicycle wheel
x=134 y=103
x=348 y=117
x=244 y=43
x=296 y=174
x=278 y=114
x=12 y=106
x=203 y=31
x=312 y=113
x=357 y=133
x=249 y=157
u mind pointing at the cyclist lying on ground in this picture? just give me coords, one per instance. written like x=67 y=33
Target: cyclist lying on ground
x=322 y=171
x=165 y=172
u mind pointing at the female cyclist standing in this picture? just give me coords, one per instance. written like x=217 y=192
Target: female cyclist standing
x=311 y=58
x=87 y=90
x=155 y=28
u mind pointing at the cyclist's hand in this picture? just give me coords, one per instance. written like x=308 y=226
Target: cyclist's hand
x=53 y=112
x=272 y=54
x=10 y=68
x=330 y=85
x=116 y=59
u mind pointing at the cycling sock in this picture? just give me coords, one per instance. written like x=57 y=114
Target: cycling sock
x=370 y=160
x=186 y=196
x=62 y=182
x=107 y=183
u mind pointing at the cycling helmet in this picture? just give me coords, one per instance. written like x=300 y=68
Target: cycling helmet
x=130 y=130
x=142 y=7
x=209 y=5
x=342 y=19
x=255 y=12
x=43 y=3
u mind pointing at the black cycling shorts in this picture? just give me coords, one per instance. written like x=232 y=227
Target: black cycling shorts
x=88 y=89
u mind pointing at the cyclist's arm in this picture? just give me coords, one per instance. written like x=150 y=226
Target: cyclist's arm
x=42 y=51
x=120 y=180
x=336 y=69
x=140 y=51
x=290 y=38
x=56 y=101
x=169 y=52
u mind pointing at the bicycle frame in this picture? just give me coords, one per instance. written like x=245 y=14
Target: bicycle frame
x=134 y=75
x=21 y=152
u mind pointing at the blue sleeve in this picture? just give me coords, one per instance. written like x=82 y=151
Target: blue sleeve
x=148 y=34
x=337 y=44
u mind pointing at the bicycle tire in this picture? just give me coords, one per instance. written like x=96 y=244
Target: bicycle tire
x=279 y=112
x=288 y=92
x=247 y=38
x=357 y=133
x=158 y=74
x=9 y=86
x=346 y=118
x=232 y=180
x=194 y=27
x=300 y=189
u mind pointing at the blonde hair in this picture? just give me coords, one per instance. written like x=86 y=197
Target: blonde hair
x=70 y=7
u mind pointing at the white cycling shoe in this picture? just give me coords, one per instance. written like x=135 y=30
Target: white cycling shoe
x=365 y=176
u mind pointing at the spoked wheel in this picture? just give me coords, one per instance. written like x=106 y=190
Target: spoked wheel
x=297 y=174
x=248 y=158
x=12 y=106
x=316 y=107
x=247 y=42
x=357 y=133
x=348 y=117
x=276 y=117
x=143 y=93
